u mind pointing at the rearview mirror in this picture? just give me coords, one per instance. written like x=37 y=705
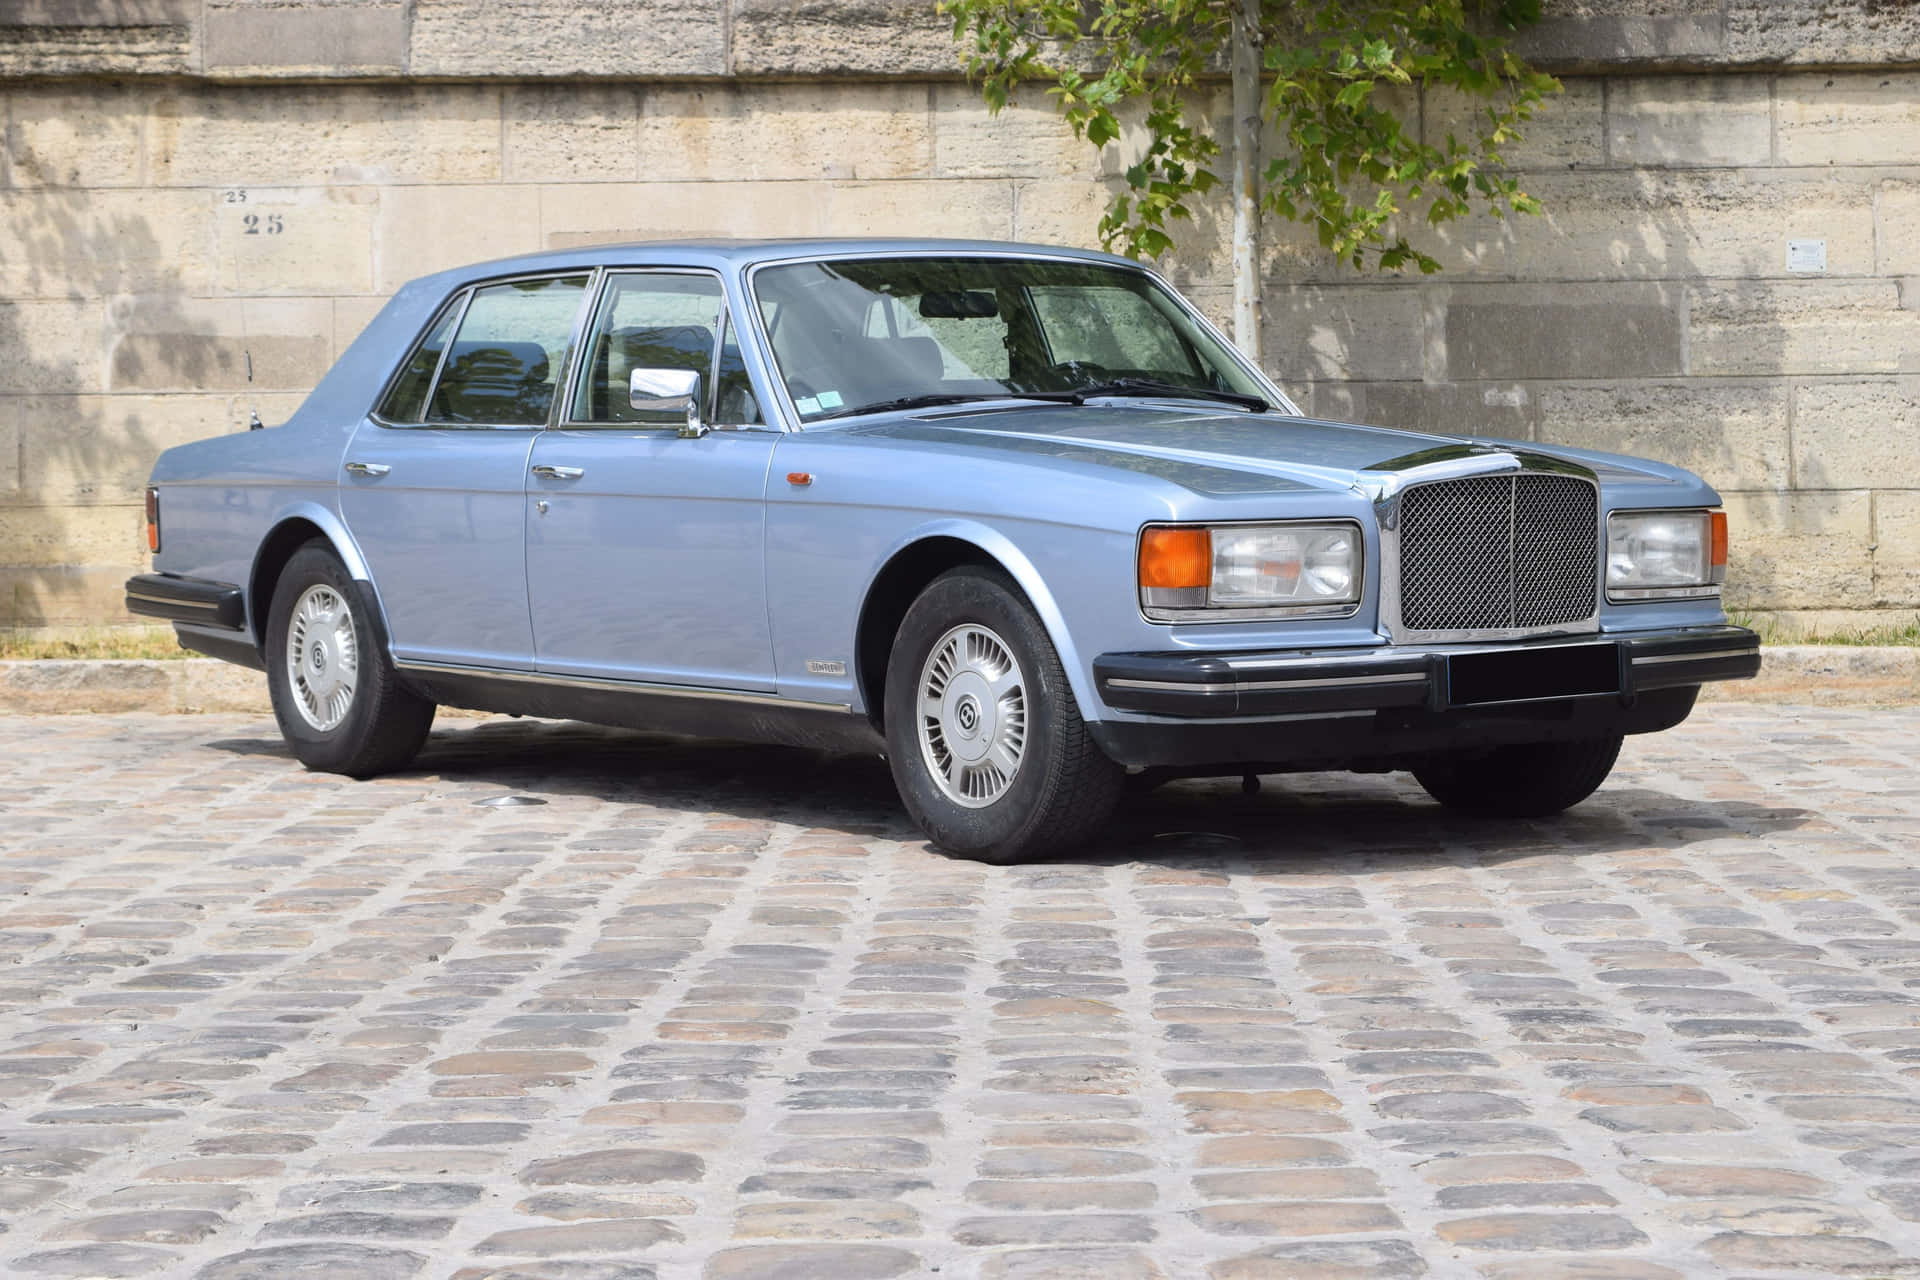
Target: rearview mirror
x=668 y=391
x=959 y=304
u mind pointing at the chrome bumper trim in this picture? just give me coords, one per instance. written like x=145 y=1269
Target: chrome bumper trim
x=699 y=692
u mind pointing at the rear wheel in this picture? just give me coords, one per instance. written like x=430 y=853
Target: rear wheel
x=985 y=740
x=339 y=702
x=1531 y=780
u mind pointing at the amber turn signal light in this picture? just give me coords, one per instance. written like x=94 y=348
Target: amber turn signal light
x=1176 y=558
x=1716 y=547
x=153 y=519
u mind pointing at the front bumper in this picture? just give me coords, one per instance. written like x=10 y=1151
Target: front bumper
x=1380 y=707
x=1439 y=678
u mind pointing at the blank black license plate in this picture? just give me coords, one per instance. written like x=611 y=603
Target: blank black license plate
x=1527 y=675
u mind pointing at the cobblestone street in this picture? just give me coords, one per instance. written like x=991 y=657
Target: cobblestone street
x=715 y=1012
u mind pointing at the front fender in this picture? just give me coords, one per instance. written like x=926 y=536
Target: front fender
x=1021 y=568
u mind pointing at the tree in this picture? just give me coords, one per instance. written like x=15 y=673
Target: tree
x=1314 y=74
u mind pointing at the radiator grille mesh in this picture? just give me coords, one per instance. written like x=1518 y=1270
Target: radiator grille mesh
x=1490 y=553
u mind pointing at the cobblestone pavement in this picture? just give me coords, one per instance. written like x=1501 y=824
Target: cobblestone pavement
x=714 y=1012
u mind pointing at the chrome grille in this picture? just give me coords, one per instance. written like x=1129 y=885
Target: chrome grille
x=1499 y=553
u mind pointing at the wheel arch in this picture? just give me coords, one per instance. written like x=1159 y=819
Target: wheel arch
x=920 y=559
x=291 y=531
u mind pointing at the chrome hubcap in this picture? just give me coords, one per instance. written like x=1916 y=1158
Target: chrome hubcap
x=323 y=657
x=973 y=715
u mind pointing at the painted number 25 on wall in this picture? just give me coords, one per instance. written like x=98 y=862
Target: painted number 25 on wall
x=270 y=224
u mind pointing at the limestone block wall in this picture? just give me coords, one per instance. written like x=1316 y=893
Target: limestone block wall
x=187 y=183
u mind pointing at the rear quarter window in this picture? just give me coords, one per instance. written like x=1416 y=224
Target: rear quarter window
x=407 y=400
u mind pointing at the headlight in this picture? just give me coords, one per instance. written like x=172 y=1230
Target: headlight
x=1300 y=568
x=1663 y=555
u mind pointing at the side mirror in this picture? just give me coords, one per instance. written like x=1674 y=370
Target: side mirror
x=669 y=391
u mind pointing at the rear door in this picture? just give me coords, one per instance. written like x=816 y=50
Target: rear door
x=434 y=483
x=645 y=555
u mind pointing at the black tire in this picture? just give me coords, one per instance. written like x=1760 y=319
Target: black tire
x=384 y=724
x=1531 y=780
x=1063 y=790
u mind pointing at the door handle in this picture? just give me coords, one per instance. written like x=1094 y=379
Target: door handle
x=547 y=471
x=374 y=469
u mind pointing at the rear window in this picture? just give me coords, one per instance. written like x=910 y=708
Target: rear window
x=500 y=367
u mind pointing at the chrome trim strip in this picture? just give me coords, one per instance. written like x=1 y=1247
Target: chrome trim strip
x=1253 y=719
x=700 y=692
x=173 y=602
x=1264 y=686
x=1183 y=686
x=1661 y=659
x=1640 y=595
x=1366 y=658
x=571 y=372
x=1410 y=677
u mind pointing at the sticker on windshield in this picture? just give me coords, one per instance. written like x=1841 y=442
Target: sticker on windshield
x=830 y=400
x=806 y=404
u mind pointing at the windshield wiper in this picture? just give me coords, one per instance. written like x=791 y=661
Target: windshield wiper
x=904 y=402
x=1077 y=395
x=1166 y=390
x=934 y=399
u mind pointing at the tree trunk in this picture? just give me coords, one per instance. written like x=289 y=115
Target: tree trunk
x=1246 y=64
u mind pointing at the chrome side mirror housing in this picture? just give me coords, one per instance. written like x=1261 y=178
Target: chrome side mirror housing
x=669 y=391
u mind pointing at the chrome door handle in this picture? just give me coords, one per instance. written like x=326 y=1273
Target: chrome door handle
x=547 y=471
x=375 y=469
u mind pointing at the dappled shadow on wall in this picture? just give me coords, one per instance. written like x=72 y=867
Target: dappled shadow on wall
x=75 y=275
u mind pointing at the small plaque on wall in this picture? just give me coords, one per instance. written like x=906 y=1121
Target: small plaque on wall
x=1807 y=256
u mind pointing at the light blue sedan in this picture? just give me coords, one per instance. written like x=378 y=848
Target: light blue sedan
x=1017 y=517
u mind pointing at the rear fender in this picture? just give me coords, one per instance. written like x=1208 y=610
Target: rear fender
x=334 y=530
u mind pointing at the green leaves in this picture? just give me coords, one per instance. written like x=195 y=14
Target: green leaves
x=1340 y=82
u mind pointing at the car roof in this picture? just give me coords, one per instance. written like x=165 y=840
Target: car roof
x=739 y=254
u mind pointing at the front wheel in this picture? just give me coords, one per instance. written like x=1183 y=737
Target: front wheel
x=339 y=702
x=985 y=740
x=1532 y=780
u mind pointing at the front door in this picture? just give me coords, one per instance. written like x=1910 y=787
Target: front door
x=644 y=547
x=433 y=485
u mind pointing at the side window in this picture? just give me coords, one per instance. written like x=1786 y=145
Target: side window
x=648 y=320
x=407 y=401
x=505 y=361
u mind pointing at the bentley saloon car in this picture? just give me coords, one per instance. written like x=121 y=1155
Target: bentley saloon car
x=1017 y=518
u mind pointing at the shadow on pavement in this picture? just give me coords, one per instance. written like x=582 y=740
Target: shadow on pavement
x=1303 y=820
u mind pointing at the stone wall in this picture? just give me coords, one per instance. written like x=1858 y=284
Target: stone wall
x=183 y=182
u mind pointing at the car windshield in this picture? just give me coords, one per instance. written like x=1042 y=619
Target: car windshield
x=863 y=334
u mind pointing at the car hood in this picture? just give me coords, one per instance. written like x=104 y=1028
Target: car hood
x=1216 y=451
